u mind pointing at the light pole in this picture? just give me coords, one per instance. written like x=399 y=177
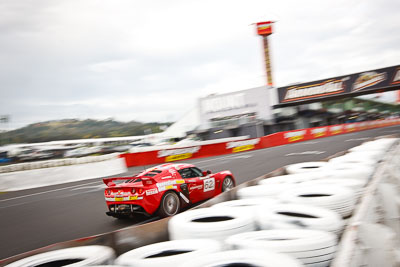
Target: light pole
x=264 y=29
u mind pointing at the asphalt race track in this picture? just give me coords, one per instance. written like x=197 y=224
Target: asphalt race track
x=39 y=217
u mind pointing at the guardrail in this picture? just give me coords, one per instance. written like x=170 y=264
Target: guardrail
x=201 y=150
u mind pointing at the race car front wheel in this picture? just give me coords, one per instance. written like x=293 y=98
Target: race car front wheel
x=227 y=184
x=169 y=205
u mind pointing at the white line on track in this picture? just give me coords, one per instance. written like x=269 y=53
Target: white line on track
x=391 y=131
x=91 y=188
x=307 y=143
x=49 y=191
x=247 y=155
x=358 y=139
x=306 y=153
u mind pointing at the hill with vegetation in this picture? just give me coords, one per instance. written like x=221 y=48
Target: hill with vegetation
x=70 y=129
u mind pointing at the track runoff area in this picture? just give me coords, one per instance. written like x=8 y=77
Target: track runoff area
x=43 y=216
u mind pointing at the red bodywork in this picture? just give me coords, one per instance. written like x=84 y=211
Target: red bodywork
x=142 y=193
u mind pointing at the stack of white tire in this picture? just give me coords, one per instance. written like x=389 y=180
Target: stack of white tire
x=311 y=247
x=336 y=198
x=262 y=191
x=215 y=223
x=74 y=257
x=291 y=179
x=249 y=204
x=201 y=252
x=295 y=216
x=169 y=253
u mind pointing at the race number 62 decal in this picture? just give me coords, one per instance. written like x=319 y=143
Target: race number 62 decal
x=209 y=184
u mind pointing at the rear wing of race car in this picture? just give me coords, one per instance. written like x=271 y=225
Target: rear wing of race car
x=145 y=180
x=109 y=181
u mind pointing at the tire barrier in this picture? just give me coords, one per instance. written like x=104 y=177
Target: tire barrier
x=382 y=144
x=211 y=223
x=357 y=185
x=247 y=203
x=304 y=167
x=342 y=171
x=311 y=247
x=170 y=253
x=262 y=191
x=336 y=198
x=374 y=156
x=76 y=257
x=292 y=216
x=245 y=257
x=353 y=159
x=292 y=178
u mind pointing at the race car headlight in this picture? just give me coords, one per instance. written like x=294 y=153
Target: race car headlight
x=133 y=190
x=108 y=191
x=140 y=190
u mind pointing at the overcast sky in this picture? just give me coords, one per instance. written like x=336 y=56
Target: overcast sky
x=151 y=60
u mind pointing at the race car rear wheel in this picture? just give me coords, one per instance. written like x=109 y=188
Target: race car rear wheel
x=169 y=205
x=227 y=184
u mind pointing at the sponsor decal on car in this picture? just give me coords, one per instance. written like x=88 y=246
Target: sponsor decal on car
x=295 y=136
x=178 y=154
x=123 y=198
x=196 y=187
x=368 y=79
x=172 y=182
x=328 y=87
x=151 y=192
x=318 y=132
x=335 y=129
x=167 y=187
x=209 y=184
x=239 y=146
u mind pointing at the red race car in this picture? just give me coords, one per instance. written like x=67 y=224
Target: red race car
x=164 y=190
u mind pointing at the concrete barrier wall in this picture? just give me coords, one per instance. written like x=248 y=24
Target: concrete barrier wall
x=372 y=236
x=55 y=163
x=27 y=179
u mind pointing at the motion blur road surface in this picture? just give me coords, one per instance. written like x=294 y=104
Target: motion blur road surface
x=34 y=218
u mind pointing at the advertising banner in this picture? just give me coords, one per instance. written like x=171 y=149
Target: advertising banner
x=347 y=85
x=276 y=139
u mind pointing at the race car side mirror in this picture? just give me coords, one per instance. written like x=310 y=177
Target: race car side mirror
x=205 y=173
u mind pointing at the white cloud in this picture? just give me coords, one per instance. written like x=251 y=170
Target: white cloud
x=151 y=60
